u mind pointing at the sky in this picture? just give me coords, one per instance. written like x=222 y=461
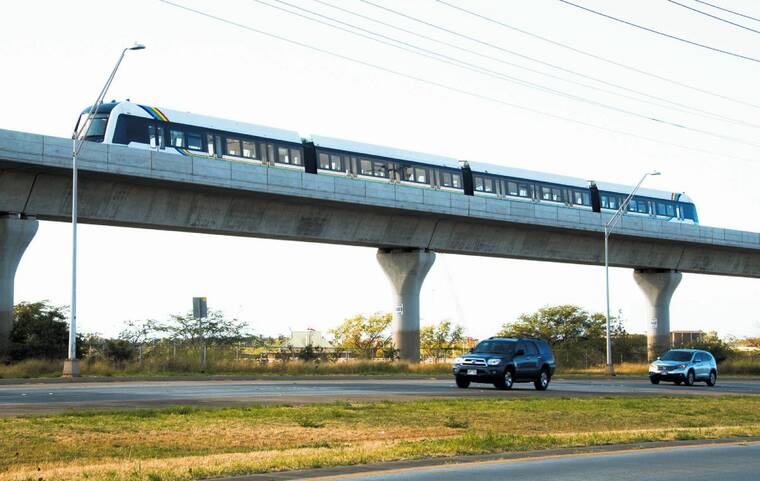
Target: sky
x=57 y=55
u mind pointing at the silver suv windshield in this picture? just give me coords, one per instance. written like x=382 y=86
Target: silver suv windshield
x=677 y=356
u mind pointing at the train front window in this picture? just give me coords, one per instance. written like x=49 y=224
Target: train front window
x=97 y=130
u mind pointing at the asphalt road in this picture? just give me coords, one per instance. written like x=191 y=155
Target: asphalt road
x=56 y=397
x=736 y=462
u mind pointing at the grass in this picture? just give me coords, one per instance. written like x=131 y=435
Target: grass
x=184 y=443
x=36 y=368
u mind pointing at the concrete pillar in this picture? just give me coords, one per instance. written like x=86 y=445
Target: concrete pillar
x=406 y=269
x=15 y=235
x=658 y=287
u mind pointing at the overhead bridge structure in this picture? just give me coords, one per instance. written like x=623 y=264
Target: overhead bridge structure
x=121 y=186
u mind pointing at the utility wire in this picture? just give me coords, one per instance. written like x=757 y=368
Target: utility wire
x=657 y=32
x=449 y=87
x=593 y=55
x=729 y=11
x=677 y=106
x=702 y=12
x=490 y=73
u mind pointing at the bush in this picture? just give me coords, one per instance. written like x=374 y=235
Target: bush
x=119 y=350
x=39 y=331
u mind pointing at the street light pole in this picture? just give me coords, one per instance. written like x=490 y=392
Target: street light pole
x=71 y=365
x=608 y=228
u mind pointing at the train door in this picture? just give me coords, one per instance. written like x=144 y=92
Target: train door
x=156 y=136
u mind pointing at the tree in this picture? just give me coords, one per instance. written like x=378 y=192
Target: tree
x=558 y=325
x=366 y=336
x=214 y=329
x=40 y=331
x=439 y=341
x=118 y=350
x=711 y=343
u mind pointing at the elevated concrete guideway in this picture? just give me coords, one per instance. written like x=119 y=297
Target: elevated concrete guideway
x=147 y=189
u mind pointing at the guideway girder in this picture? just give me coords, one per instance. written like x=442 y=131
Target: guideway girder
x=406 y=270
x=658 y=286
x=16 y=232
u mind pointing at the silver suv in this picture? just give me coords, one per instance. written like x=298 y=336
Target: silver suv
x=684 y=366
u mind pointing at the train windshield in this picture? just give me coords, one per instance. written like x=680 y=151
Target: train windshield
x=97 y=130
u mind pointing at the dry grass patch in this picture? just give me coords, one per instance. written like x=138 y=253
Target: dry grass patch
x=189 y=443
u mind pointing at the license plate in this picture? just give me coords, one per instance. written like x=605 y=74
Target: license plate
x=472 y=372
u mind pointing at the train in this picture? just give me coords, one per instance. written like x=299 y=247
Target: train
x=182 y=133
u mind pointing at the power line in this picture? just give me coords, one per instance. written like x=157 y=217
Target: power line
x=729 y=11
x=449 y=87
x=595 y=56
x=702 y=12
x=657 y=32
x=678 y=106
x=490 y=73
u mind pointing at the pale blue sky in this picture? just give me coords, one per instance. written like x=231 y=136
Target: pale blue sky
x=56 y=55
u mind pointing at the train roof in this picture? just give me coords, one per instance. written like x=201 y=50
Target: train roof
x=189 y=118
x=381 y=151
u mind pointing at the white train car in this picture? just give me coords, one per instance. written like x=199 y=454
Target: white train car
x=183 y=133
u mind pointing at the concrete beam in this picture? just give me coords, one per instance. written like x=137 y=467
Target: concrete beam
x=658 y=287
x=15 y=235
x=166 y=205
x=406 y=270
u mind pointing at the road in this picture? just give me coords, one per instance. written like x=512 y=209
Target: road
x=735 y=462
x=56 y=397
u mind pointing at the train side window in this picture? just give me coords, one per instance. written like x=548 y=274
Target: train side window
x=671 y=210
x=249 y=149
x=336 y=162
x=633 y=205
x=578 y=197
x=489 y=185
x=378 y=169
x=365 y=166
x=661 y=209
x=283 y=155
x=295 y=157
x=479 y=184
x=556 y=195
x=194 y=141
x=324 y=161
x=210 y=143
x=457 y=180
x=523 y=190
x=176 y=138
x=546 y=193
x=450 y=180
x=233 y=147
x=512 y=188
x=421 y=175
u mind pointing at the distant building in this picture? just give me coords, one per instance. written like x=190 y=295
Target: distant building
x=681 y=338
x=309 y=337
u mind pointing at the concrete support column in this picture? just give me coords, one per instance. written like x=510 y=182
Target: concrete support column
x=406 y=269
x=15 y=235
x=658 y=287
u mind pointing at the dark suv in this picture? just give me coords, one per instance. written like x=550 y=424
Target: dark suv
x=505 y=361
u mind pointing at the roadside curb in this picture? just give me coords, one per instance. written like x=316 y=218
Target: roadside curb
x=340 y=471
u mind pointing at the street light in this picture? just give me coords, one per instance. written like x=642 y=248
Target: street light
x=71 y=366
x=608 y=227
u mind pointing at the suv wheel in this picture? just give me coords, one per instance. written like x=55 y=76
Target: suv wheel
x=712 y=379
x=543 y=380
x=654 y=380
x=689 y=381
x=462 y=382
x=507 y=381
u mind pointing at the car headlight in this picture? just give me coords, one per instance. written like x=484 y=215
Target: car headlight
x=458 y=360
x=494 y=362
x=654 y=367
x=681 y=366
